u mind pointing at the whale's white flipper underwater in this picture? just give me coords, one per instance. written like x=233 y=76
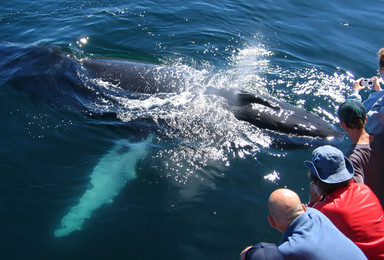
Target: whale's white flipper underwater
x=107 y=179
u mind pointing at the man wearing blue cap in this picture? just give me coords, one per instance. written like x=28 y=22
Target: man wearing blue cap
x=366 y=151
x=351 y=206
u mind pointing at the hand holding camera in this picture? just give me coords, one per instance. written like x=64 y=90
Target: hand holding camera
x=368 y=83
x=372 y=84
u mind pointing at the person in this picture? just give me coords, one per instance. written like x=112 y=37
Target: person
x=375 y=102
x=262 y=251
x=366 y=151
x=352 y=207
x=308 y=234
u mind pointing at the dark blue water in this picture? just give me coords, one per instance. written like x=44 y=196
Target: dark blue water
x=200 y=190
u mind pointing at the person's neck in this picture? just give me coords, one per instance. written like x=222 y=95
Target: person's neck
x=286 y=225
x=360 y=136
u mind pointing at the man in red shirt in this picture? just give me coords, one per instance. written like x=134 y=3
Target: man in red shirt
x=352 y=207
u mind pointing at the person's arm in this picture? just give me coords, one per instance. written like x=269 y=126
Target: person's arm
x=359 y=171
x=377 y=86
x=356 y=89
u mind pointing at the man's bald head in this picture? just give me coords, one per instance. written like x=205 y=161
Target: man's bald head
x=284 y=207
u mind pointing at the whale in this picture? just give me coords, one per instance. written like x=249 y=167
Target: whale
x=259 y=110
x=47 y=65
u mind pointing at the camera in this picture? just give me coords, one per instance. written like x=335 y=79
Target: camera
x=367 y=83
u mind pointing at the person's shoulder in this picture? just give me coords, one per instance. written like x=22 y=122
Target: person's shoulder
x=332 y=202
x=360 y=152
x=358 y=187
x=362 y=195
x=313 y=211
x=317 y=215
x=360 y=157
x=362 y=147
x=360 y=190
x=323 y=206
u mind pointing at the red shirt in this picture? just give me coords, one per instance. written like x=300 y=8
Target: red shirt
x=356 y=212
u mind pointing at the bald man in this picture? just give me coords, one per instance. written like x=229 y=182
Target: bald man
x=308 y=234
x=284 y=206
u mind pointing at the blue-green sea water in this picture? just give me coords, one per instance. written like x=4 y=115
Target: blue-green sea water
x=199 y=188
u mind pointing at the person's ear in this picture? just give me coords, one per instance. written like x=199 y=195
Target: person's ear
x=303 y=207
x=271 y=221
x=342 y=124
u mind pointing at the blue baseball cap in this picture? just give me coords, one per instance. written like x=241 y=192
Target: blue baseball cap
x=330 y=165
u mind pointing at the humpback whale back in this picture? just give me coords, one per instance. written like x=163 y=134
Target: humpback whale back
x=67 y=81
x=283 y=118
x=134 y=76
x=266 y=112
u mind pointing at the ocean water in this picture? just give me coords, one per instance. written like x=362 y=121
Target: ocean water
x=89 y=171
